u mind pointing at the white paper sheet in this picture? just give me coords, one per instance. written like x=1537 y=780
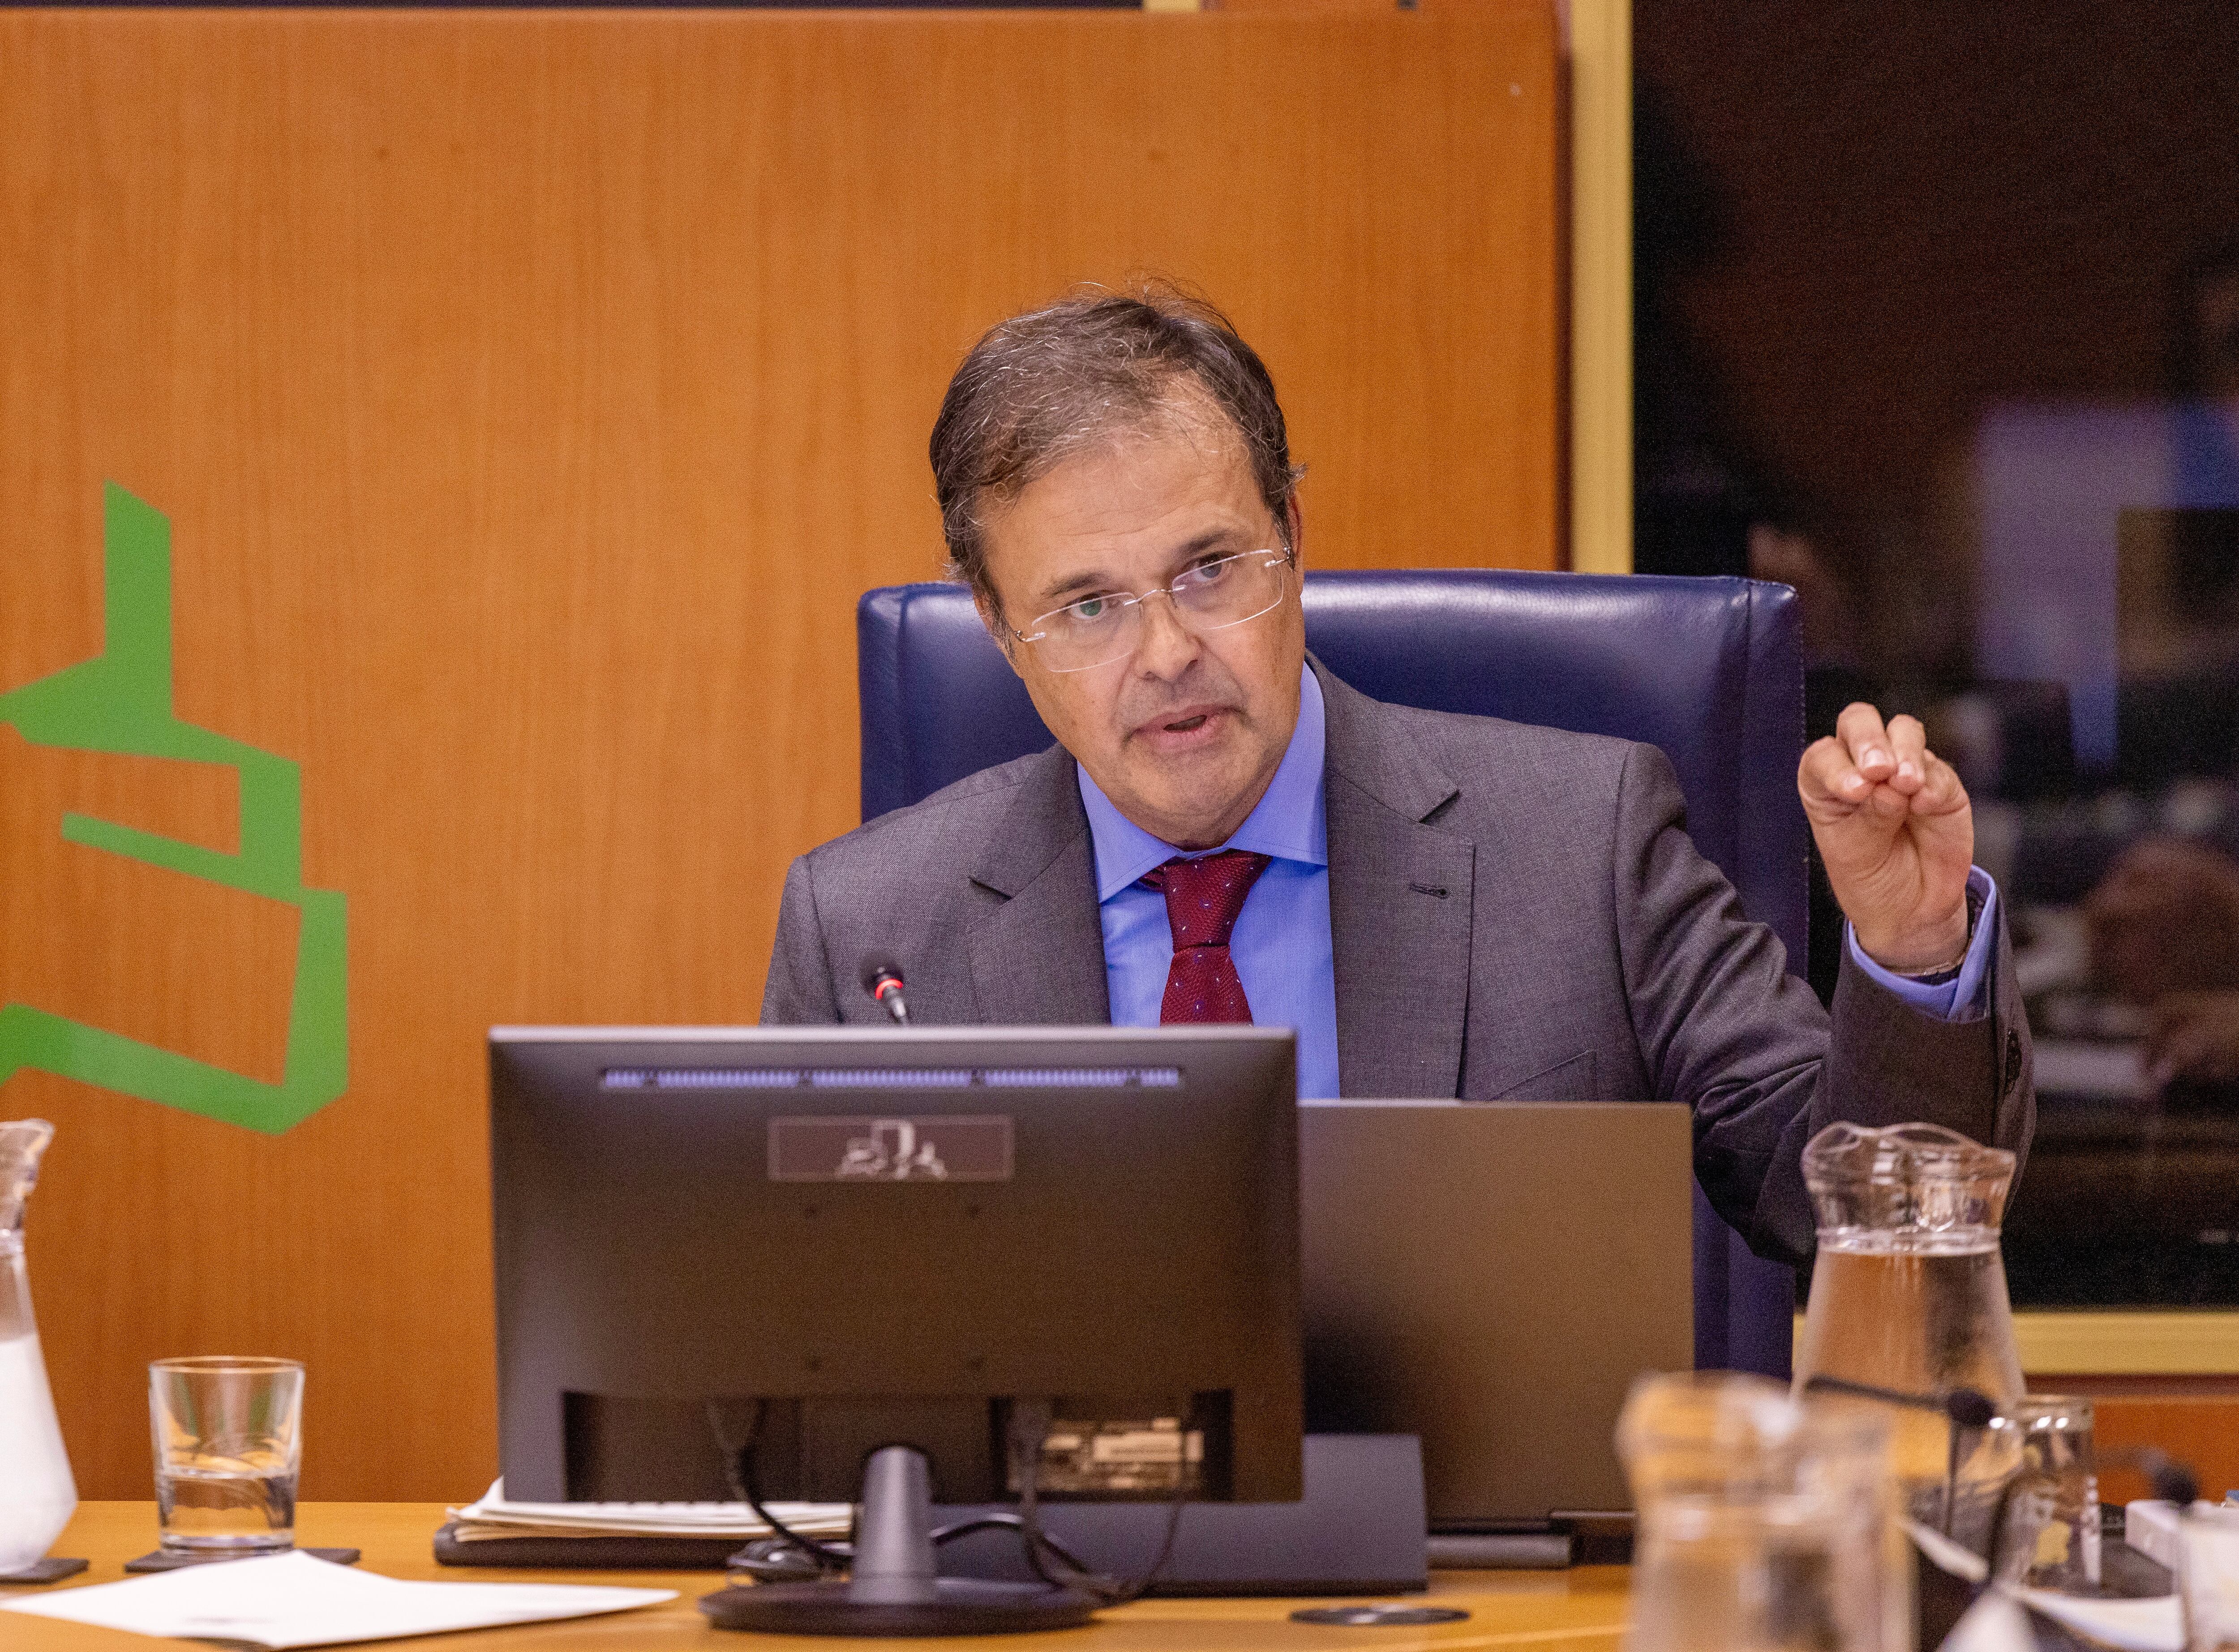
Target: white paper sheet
x=294 y=1600
x=1993 y=1623
x=654 y=1519
x=2156 y=1624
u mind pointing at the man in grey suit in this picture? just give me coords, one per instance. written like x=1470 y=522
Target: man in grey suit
x=1441 y=906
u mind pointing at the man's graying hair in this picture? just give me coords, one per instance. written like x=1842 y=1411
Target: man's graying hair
x=1066 y=379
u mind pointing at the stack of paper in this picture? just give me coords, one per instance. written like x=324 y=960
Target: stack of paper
x=492 y=1515
x=293 y=1600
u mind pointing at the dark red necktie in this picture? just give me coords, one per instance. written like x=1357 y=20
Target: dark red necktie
x=1203 y=898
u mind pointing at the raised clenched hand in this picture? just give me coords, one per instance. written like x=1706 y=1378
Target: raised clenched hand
x=1898 y=834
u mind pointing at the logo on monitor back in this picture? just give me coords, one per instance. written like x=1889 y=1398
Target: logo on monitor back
x=940 y=1148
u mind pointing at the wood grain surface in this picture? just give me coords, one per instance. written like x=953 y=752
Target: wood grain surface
x=531 y=395
x=1581 y=1610
x=2195 y=1420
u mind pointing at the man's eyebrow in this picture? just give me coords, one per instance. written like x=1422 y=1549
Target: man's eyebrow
x=1092 y=579
x=1204 y=542
x=1096 y=580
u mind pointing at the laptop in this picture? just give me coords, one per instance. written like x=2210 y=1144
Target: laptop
x=1492 y=1276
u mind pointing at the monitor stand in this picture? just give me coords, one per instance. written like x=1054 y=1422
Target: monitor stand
x=891 y=1588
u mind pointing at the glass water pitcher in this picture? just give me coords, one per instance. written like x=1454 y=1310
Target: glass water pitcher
x=1908 y=1310
x=37 y=1493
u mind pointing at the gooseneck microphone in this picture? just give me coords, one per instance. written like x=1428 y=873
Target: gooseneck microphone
x=1968 y=1410
x=882 y=979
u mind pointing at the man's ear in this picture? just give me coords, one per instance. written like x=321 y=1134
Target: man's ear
x=1296 y=522
x=997 y=629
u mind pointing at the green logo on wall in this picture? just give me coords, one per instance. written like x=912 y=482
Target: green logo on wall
x=121 y=702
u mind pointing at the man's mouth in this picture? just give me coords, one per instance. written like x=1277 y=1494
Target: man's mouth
x=1180 y=724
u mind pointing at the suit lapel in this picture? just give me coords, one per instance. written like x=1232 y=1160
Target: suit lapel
x=1401 y=894
x=1038 y=958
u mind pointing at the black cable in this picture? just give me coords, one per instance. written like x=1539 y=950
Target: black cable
x=1136 y=1591
x=1029 y=1425
x=739 y=1470
x=820 y=1559
x=775 y=1560
x=1029 y=1428
x=1007 y=1523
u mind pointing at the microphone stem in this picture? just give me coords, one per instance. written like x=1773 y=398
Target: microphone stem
x=1868 y=1392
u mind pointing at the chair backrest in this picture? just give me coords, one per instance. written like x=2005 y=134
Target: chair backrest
x=1711 y=670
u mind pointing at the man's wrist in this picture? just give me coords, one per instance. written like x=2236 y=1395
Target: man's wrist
x=1947 y=960
x=1941 y=952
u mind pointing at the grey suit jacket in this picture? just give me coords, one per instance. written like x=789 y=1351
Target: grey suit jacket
x=1517 y=912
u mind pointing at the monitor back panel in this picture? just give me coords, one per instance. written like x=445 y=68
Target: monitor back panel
x=687 y=1214
x=1492 y=1276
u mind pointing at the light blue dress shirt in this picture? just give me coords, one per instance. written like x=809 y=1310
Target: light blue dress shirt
x=1281 y=941
x=1960 y=998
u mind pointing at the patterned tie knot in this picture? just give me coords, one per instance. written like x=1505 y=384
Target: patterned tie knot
x=1203 y=898
x=1205 y=895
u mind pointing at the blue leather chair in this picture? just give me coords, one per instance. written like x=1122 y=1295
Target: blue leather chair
x=1709 y=669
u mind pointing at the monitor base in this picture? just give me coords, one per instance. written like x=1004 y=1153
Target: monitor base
x=956 y=1606
x=892 y=1589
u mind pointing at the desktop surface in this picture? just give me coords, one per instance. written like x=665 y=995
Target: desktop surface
x=1580 y=1610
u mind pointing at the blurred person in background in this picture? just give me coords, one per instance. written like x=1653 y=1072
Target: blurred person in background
x=2164 y=935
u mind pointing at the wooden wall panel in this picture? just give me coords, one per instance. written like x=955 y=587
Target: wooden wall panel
x=530 y=396
x=2195 y=1419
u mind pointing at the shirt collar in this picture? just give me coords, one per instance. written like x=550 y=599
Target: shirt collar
x=1289 y=822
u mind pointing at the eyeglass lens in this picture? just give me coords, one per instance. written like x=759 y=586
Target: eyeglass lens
x=1097 y=630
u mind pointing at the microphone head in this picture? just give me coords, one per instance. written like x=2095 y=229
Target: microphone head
x=1970 y=1407
x=2172 y=1482
x=877 y=968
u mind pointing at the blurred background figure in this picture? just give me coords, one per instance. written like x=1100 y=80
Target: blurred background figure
x=2194 y=1036
x=2206 y=362
x=1931 y=328
x=2165 y=919
x=2164 y=937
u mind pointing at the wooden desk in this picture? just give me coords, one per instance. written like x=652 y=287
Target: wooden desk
x=1576 y=1611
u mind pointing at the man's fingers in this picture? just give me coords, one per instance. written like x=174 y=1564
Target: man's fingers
x=1884 y=767
x=1941 y=790
x=1866 y=738
x=1909 y=746
x=1827 y=774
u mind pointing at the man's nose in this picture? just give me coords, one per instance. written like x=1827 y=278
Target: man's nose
x=1166 y=647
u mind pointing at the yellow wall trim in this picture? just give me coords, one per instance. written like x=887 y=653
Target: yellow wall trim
x=1600 y=65
x=2122 y=1342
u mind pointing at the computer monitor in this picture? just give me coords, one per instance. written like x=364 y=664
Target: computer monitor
x=850 y=1237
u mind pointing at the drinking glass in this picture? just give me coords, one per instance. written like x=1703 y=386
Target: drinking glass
x=1763 y=1524
x=229 y=1445
x=2050 y=1535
